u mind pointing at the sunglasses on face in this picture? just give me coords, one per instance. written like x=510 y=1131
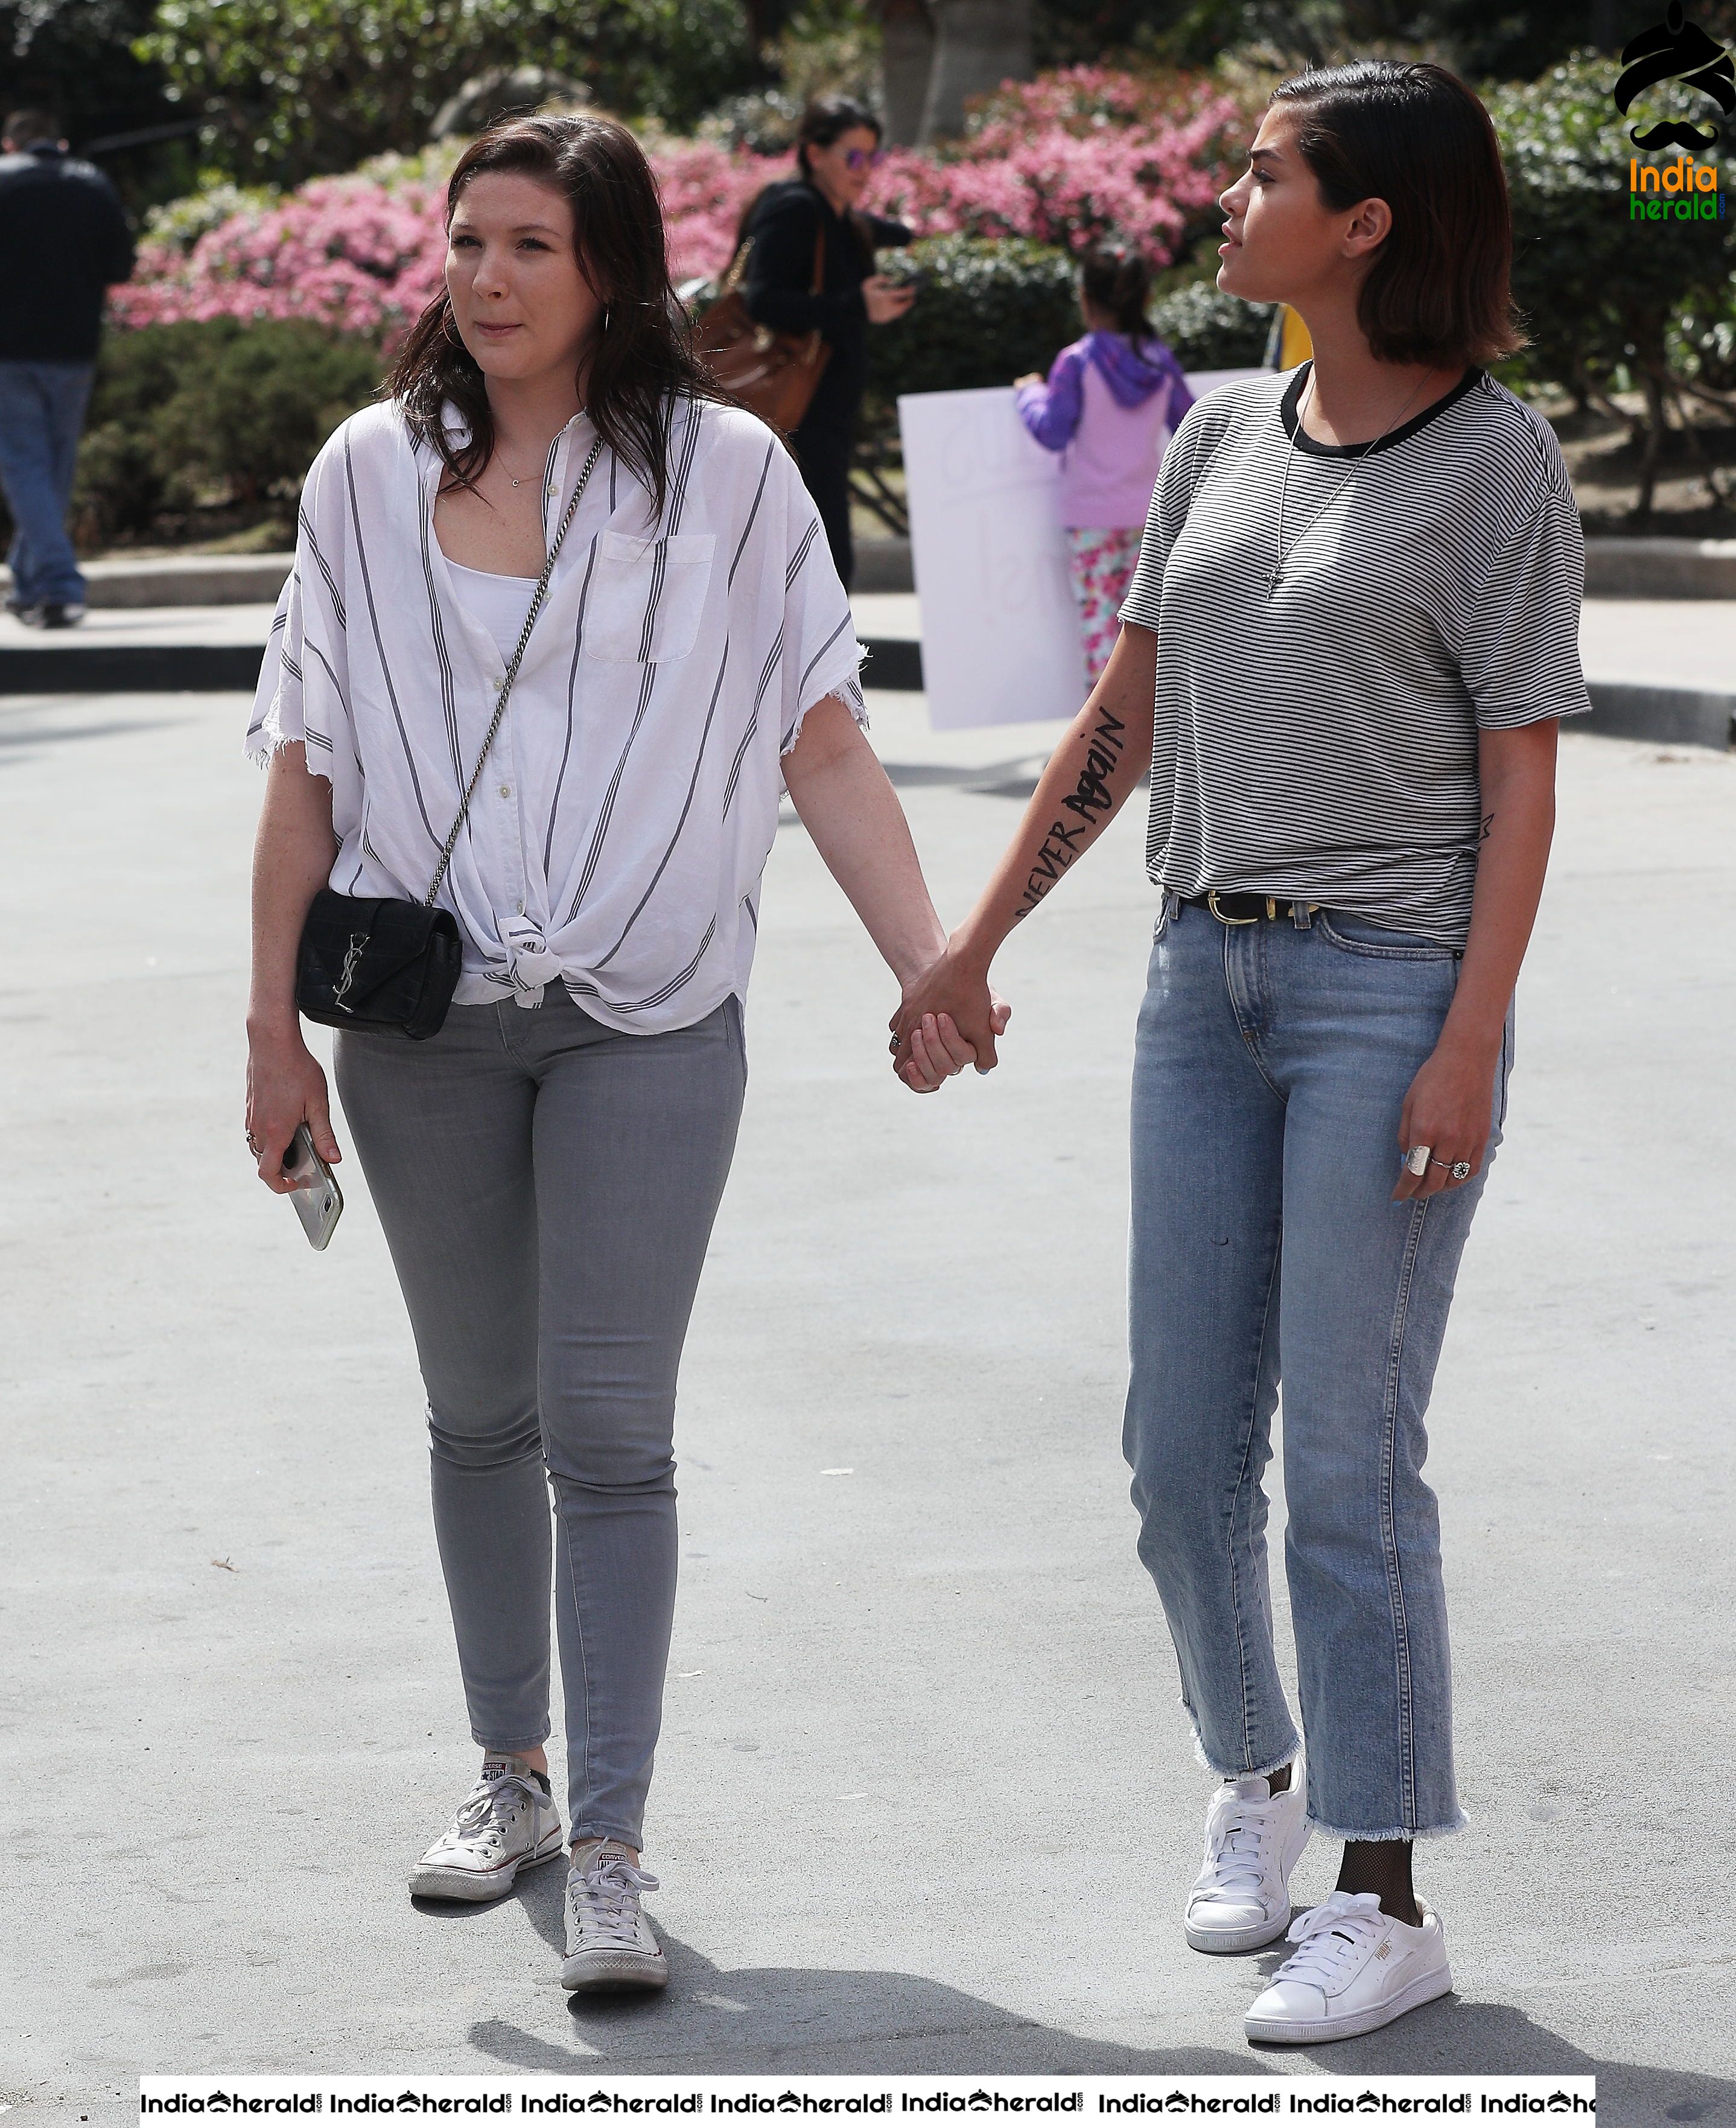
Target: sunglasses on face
x=860 y=158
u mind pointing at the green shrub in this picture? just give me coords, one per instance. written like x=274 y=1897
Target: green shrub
x=1608 y=302
x=987 y=312
x=292 y=93
x=992 y=311
x=1208 y=329
x=182 y=412
x=258 y=408
x=122 y=486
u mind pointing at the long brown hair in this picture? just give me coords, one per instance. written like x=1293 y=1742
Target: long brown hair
x=643 y=360
x=1414 y=135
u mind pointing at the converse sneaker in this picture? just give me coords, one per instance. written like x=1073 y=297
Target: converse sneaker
x=1241 y=1896
x=507 y=1822
x=609 y=1941
x=1358 y=1969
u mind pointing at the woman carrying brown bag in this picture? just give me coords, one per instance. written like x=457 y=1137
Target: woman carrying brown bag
x=837 y=144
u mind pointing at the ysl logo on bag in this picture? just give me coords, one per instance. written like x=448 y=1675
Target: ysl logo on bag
x=352 y=961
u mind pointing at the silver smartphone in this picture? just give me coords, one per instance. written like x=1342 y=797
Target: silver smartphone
x=318 y=1200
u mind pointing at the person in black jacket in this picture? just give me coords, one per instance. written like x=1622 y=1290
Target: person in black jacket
x=64 y=242
x=837 y=147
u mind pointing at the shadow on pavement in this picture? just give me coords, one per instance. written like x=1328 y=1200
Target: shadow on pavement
x=13 y=744
x=1458 y=2037
x=819 y=2021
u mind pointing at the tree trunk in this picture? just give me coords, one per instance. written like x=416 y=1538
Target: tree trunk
x=1657 y=426
x=979 y=44
x=907 y=58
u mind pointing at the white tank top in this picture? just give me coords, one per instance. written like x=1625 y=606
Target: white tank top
x=499 y=603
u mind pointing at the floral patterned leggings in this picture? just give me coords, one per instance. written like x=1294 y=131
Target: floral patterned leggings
x=1102 y=566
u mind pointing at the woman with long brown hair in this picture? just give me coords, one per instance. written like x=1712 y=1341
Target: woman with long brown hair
x=552 y=505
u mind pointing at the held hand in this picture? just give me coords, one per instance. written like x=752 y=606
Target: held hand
x=1031 y=376
x=885 y=300
x=939 y=1052
x=1448 y=1110
x=285 y=1088
x=953 y=989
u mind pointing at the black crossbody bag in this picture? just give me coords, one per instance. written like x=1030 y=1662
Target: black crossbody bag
x=386 y=966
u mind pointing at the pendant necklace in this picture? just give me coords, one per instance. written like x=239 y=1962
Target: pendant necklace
x=1284 y=553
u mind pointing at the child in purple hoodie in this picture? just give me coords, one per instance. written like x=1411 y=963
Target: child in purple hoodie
x=1112 y=400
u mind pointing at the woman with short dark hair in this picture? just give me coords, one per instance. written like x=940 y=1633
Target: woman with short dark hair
x=1352 y=634
x=837 y=144
x=553 y=551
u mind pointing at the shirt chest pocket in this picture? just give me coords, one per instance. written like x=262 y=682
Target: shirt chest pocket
x=647 y=596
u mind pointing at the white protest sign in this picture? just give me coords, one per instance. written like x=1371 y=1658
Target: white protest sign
x=1000 y=630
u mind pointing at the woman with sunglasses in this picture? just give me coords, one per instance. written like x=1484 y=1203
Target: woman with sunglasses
x=837 y=147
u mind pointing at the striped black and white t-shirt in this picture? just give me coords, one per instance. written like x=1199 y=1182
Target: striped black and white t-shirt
x=617 y=837
x=1320 y=740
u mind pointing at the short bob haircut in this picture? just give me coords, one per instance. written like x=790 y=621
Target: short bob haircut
x=642 y=362
x=1415 y=136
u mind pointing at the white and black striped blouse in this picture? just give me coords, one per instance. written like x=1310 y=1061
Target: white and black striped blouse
x=618 y=835
x=1320 y=739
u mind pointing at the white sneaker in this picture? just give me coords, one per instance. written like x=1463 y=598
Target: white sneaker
x=609 y=1941
x=506 y=1823
x=1357 y=1969
x=1241 y=1896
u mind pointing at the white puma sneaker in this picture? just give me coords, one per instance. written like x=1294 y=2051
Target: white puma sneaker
x=609 y=1941
x=506 y=1823
x=1357 y=1969
x=1241 y=1896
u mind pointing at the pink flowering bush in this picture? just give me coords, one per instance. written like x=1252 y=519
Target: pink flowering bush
x=706 y=188
x=365 y=254
x=1076 y=156
x=1065 y=160
x=353 y=252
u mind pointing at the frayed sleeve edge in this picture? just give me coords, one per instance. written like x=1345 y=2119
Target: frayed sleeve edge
x=267 y=738
x=840 y=675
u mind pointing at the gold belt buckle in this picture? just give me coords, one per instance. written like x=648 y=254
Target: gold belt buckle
x=1212 y=904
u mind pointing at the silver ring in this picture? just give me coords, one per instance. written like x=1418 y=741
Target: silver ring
x=1458 y=1169
x=252 y=1145
x=896 y=1043
x=1417 y=1160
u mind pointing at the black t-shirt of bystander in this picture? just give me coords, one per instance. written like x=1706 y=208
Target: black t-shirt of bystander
x=778 y=289
x=64 y=241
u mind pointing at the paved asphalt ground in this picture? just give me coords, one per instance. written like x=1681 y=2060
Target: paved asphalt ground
x=926 y=1801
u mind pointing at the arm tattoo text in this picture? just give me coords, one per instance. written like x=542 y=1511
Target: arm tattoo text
x=1089 y=804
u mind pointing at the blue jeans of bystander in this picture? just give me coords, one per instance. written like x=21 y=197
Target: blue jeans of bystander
x=41 y=416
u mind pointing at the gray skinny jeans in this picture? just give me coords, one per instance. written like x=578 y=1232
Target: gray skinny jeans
x=547 y=1188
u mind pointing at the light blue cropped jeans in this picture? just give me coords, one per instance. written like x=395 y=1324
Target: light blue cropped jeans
x=1271 y=1068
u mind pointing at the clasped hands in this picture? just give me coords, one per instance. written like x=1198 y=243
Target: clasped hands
x=948 y=1017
